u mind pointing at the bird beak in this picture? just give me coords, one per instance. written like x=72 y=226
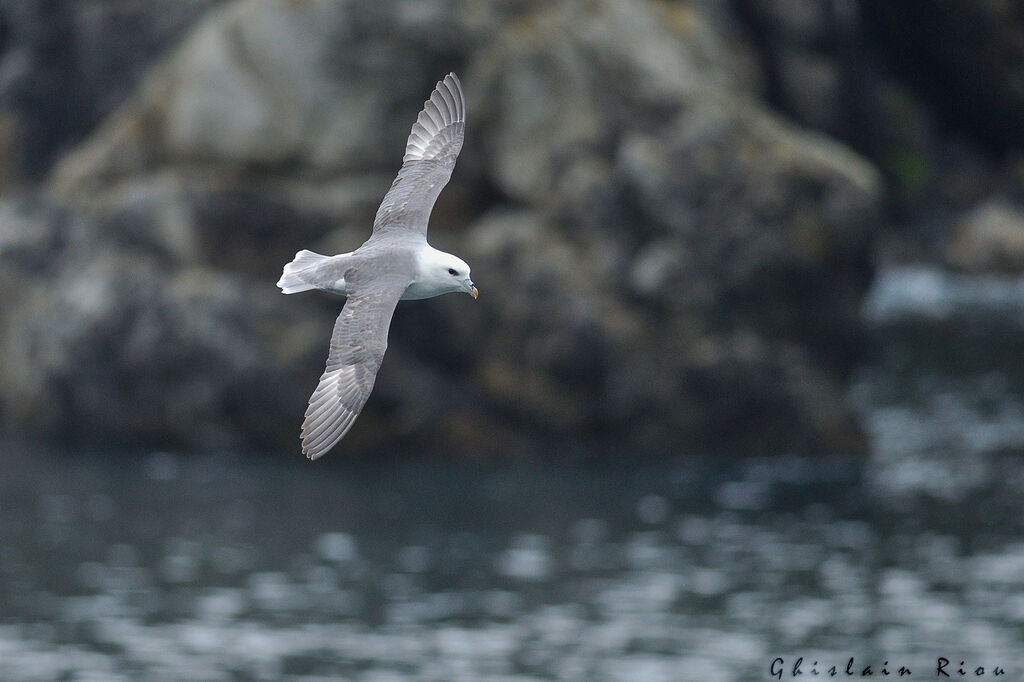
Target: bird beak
x=470 y=289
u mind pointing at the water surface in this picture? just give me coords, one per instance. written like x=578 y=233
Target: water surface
x=171 y=567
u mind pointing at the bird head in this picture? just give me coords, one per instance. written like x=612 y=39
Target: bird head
x=449 y=274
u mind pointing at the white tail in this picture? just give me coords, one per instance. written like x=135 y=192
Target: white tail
x=294 y=278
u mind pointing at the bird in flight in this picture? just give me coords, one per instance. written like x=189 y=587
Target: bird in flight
x=394 y=264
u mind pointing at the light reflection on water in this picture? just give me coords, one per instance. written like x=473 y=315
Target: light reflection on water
x=170 y=567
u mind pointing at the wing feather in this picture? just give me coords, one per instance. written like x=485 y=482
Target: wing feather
x=430 y=154
x=357 y=348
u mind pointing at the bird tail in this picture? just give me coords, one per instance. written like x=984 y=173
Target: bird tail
x=296 y=275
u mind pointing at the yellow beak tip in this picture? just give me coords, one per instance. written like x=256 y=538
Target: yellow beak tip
x=474 y=293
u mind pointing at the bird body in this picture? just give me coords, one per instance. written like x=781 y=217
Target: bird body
x=428 y=268
x=395 y=263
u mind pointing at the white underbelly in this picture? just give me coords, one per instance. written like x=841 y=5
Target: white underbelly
x=416 y=291
x=338 y=287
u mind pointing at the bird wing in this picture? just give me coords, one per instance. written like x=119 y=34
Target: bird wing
x=430 y=154
x=357 y=348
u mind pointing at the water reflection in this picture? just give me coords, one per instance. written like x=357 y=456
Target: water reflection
x=168 y=567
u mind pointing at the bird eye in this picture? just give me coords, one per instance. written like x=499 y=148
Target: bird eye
x=451 y=271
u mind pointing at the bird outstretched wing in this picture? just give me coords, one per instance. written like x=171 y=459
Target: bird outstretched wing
x=430 y=154
x=357 y=348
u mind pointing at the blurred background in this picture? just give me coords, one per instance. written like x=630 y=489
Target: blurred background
x=744 y=380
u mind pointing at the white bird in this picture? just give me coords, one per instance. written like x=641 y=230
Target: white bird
x=395 y=263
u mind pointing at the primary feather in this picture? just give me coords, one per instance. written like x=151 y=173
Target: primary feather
x=430 y=154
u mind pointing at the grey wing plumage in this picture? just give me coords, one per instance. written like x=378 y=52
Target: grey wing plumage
x=430 y=154
x=357 y=349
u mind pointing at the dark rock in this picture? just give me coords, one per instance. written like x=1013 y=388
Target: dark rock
x=64 y=66
x=107 y=345
x=664 y=264
x=964 y=57
x=722 y=311
x=813 y=63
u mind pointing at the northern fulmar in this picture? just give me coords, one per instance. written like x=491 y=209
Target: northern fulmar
x=395 y=263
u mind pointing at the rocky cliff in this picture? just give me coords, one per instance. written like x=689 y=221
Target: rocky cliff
x=661 y=201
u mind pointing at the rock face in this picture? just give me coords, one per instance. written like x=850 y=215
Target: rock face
x=64 y=66
x=112 y=345
x=664 y=263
